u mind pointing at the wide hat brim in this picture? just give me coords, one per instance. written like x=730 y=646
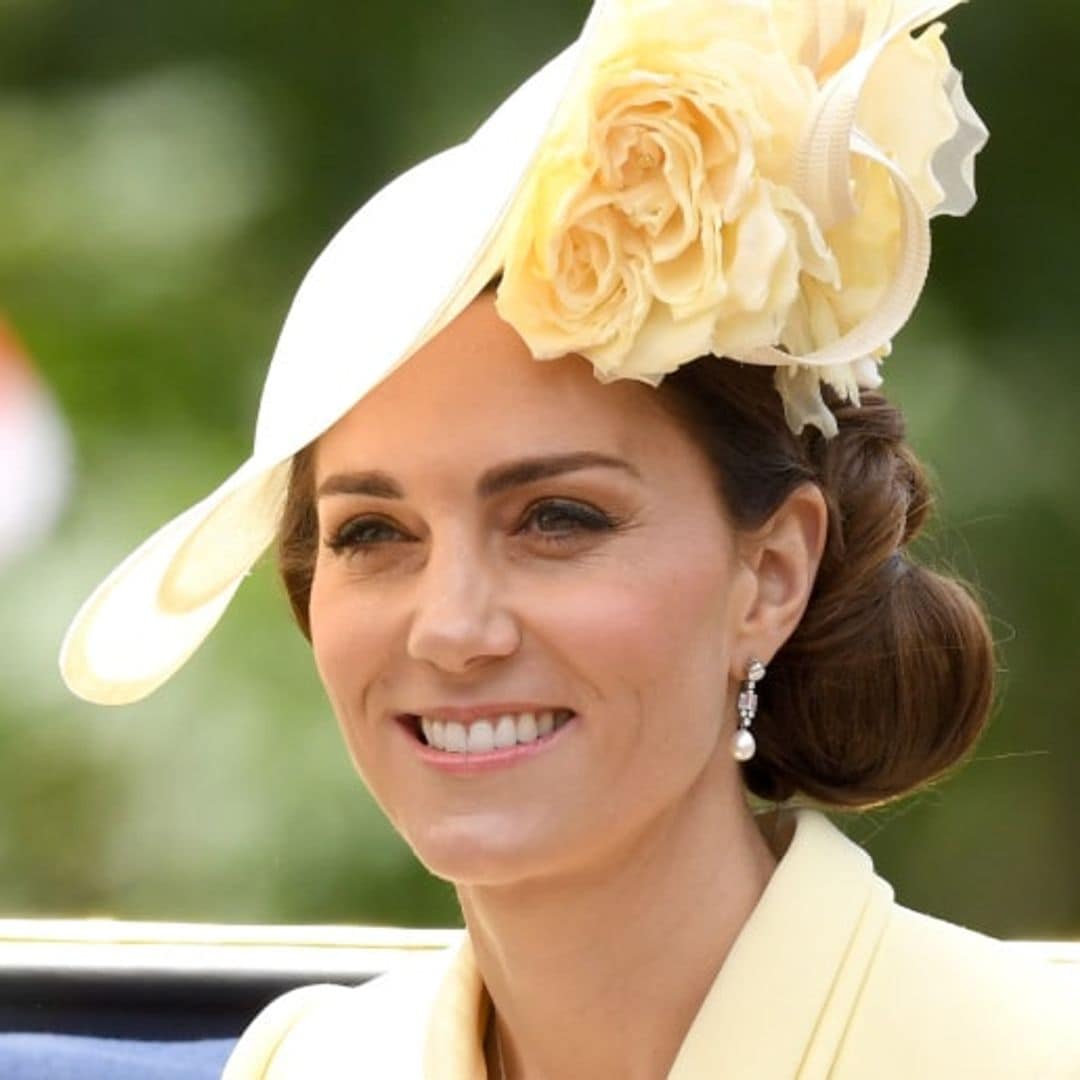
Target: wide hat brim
x=403 y=267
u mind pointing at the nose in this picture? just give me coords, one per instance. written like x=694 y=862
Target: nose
x=459 y=620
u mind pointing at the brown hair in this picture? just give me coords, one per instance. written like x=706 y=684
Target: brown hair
x=887 y=682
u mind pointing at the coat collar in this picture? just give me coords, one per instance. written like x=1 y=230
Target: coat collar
x=786 y=989
x=783 y=995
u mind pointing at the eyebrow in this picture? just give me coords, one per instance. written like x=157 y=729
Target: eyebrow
x=382 y=485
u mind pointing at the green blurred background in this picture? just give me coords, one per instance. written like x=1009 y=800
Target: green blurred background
x=168 y=171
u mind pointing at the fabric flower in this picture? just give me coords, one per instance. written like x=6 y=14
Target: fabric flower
x=663 y=211
x=666 y=216
x=906 y=110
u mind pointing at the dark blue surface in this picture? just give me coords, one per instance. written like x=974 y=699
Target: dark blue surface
x=76 y=1057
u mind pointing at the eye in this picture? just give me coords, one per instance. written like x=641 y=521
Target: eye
x=365 y=533
x=564 y=519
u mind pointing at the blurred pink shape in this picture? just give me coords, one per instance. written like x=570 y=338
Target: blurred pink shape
x=35 y=452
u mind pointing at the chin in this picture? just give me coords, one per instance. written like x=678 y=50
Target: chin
x=482 y=849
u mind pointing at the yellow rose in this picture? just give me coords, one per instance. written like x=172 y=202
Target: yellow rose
x=707 y=191
x=659 y=223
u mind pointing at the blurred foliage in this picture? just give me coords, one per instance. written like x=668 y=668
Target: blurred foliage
x=168 y=171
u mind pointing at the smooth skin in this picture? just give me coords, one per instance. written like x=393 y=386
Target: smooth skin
x=494 y=529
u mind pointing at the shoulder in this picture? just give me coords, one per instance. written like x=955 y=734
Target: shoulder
x=373 y=1030
x=948 y=1001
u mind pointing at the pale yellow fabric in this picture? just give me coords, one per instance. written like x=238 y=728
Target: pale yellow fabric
x=829 y=979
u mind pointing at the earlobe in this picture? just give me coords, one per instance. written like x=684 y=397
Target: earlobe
x=783 y=557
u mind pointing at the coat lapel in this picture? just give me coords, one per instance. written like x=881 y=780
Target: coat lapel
x=454 y=1047
x=781 y=1002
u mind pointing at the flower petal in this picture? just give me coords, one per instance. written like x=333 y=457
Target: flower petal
x=800 y=391
x=953 y=165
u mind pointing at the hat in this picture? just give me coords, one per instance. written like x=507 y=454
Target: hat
x=748 y=178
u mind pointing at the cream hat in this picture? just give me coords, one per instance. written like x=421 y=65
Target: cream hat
x=752 y=178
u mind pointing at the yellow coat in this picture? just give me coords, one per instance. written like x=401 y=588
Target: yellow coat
x=829 y=978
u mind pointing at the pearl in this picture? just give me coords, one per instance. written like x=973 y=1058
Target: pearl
x=743 y=746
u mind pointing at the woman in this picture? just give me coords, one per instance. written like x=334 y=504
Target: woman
x=546 y=606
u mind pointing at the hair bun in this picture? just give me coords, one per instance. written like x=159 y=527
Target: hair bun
x=887 y=682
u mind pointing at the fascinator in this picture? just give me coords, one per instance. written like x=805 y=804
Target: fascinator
x=752 y=179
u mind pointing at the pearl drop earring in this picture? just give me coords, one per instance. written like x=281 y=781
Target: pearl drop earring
x=743 y=745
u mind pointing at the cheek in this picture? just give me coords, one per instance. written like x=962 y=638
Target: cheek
x=330 y=633
x=344 y=646
x=656 y=628
x=348 y=651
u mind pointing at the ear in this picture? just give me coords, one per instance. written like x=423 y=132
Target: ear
x=782 y=559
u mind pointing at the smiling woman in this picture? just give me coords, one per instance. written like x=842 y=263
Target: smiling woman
x=568 y=626
x=557 y=555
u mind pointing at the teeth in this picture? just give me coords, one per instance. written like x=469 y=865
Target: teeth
x=506 y=732
x=481 y=737
x=494 y=733
x=526 y=728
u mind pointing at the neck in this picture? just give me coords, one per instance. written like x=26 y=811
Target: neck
x=577 y=963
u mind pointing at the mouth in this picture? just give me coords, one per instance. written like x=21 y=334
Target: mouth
x=486 y=734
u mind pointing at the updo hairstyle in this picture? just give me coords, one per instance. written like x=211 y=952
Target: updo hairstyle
x=887 y=682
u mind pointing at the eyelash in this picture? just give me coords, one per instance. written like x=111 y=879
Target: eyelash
x=348 y=537
x=584 y=518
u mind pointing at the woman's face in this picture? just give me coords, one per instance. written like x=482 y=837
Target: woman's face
x=509 y=546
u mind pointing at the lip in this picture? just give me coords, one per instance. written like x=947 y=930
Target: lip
x=466 y=714
x=462 y=764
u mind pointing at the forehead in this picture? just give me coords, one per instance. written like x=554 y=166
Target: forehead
x=476 y=392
